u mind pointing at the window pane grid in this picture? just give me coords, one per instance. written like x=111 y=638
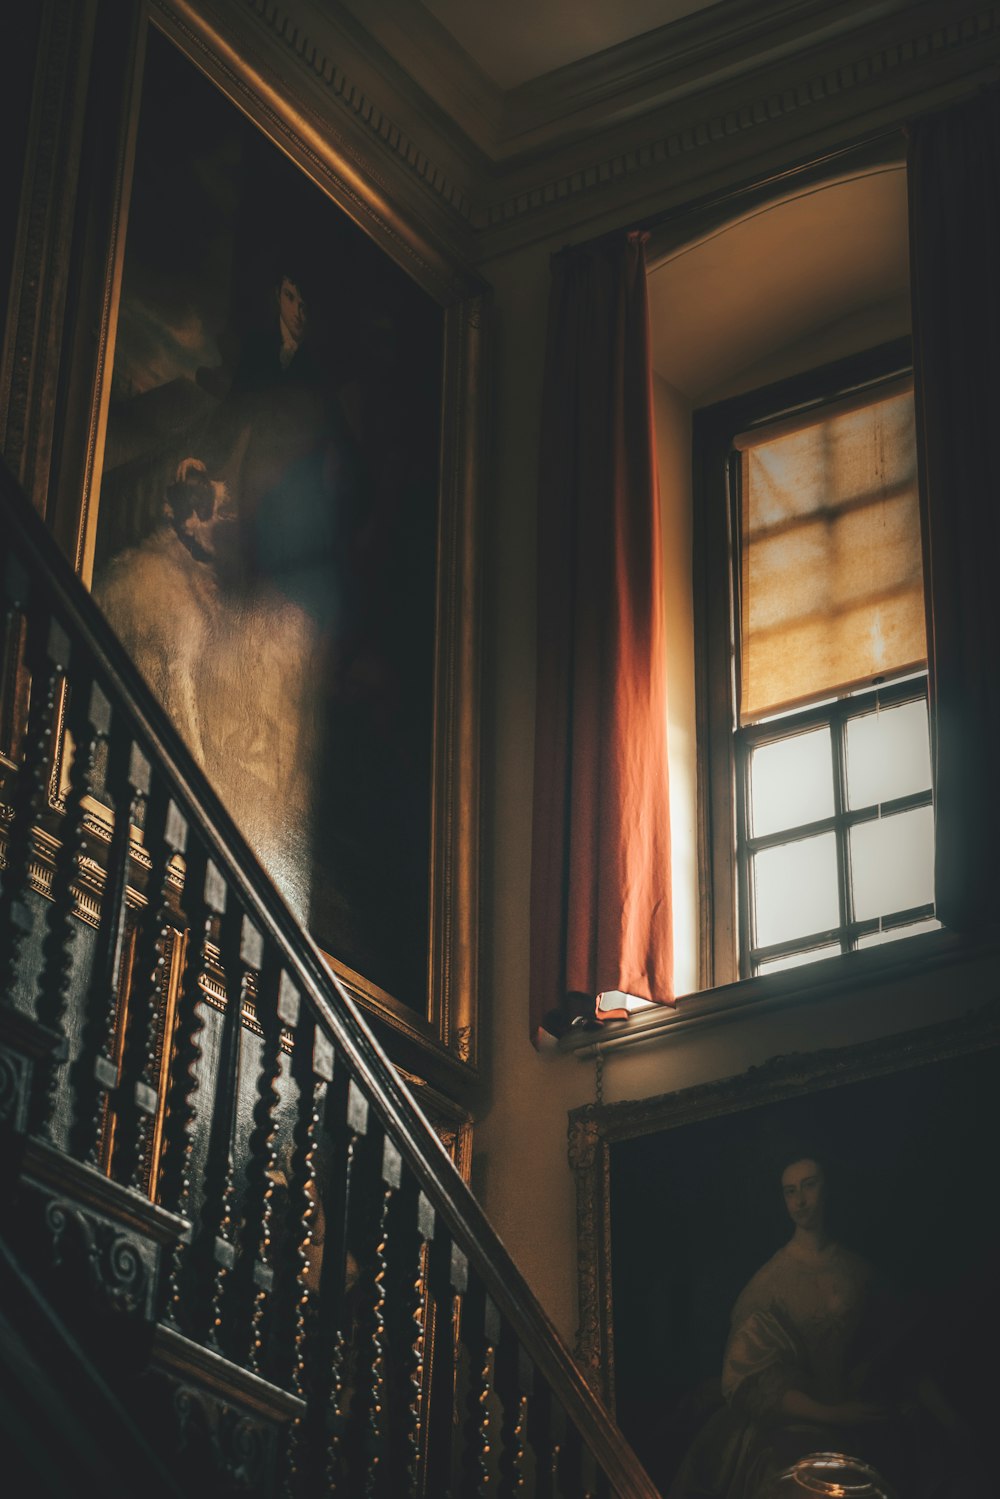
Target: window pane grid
x=845 y=819
x=847 y=936
x=765 y=904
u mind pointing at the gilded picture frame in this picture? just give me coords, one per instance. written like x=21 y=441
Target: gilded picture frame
x=679 y=1203
x=61 y=430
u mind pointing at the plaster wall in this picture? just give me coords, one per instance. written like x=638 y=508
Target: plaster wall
x=520 y=1168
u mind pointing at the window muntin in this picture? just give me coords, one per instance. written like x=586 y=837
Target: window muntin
x=861 y=871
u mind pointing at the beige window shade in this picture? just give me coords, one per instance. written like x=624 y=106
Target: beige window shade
x=830 y=566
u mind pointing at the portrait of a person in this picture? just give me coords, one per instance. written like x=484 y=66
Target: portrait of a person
x=264 y=539
x=819 y=1359
x=232 y=605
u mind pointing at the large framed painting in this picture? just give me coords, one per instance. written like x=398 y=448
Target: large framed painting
x=823 y=1225
x=275 y=504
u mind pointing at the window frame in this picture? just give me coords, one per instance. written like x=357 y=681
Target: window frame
x=721 y=779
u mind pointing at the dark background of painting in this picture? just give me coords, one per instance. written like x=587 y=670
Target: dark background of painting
x=696 y=1210
x=215 y=209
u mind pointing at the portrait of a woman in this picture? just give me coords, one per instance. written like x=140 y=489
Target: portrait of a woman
x=818 y=1359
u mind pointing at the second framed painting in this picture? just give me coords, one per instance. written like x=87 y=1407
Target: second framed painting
x=279 y=516
x=799 y=1259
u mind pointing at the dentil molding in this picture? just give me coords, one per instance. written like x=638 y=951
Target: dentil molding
x=614 y=130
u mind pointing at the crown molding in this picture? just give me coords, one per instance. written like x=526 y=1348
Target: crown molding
x=814 y=101
x=642 y=122
x=730 y=39
x=323 y=54
x=429 y=55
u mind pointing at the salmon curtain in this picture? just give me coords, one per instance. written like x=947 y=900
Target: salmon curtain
x=600 y=888
x=954 y=186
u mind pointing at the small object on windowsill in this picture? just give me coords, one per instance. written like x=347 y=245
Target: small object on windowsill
x=557 y=1023
x=577 y=1017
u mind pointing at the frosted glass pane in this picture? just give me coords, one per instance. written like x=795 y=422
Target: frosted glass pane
x=795 y=889
x=892 y=863
x=876 y=939
x=800 y=959
x=791 y=782
x=888 y=754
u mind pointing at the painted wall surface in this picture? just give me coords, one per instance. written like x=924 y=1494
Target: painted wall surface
x=520 y=1166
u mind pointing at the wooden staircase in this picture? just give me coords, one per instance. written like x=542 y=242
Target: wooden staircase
x=235 y=1258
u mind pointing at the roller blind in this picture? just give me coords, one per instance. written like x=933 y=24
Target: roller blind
x=831 y=579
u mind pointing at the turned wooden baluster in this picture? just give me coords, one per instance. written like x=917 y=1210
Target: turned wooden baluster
x=88 y=719
x=253 y=1275
x=241 y=957
x=540 y=1437
x=480 y=1334
x=447 y=1277
x=422 y=1312
x=303 y=1248
x=567 y=1477
x=345 y=1450
x=287 y=1230
x=47 y=659
x=175 y=1184
x=377 y=1397
x=410 y=1222
x=96 y=1070
x=138 y=1090
x=266 y=1318
x=513 y=1382
x=213 y=1251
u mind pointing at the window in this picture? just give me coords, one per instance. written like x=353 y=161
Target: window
x=817 y=805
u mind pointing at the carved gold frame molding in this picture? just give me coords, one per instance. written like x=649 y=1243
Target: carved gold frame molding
x=53 y=406
x=595 y=1128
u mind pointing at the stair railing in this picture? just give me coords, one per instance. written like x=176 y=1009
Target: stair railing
x=239 y=1160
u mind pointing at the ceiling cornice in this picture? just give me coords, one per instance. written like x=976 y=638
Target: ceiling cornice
x=731 y=38
x=799 y=71
x=433 y=60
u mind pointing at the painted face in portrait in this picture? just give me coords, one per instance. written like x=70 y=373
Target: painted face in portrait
x=291 y=311
x=804 y=1189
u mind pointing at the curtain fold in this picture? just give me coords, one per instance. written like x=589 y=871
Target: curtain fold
x=600 y=889
x=954 y=187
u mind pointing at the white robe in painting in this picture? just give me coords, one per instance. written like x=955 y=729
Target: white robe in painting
x=236 y=675
x=795 y=1327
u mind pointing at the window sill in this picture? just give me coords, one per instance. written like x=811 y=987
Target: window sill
x=778 y=991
